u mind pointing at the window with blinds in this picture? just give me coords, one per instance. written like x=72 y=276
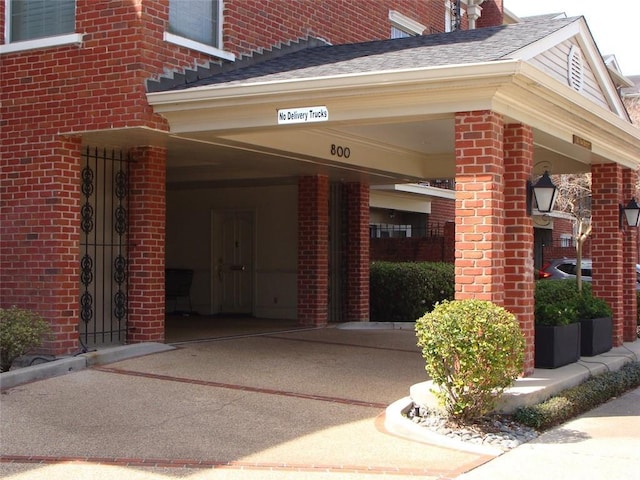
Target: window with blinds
x=197 y=20
x=33 y=19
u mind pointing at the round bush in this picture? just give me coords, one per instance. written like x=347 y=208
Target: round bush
x=473 y=350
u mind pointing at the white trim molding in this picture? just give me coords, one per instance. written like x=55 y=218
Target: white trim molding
x=405 y=23
x=200 y=47
x=46 y=42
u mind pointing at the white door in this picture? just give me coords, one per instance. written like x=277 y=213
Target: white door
x=233 y=262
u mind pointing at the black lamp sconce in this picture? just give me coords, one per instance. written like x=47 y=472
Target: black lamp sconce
x=630 y=214
x=542 y=194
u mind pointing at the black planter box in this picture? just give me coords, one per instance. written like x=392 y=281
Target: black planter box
x=596 y=336
x=557 y=346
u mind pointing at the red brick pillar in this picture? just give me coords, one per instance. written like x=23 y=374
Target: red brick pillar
x=357 y=281
x=40 y=236
x=313 y=250
x=147 y=223
x=479 y=263
x=630 y=259
x=606 y=241
x=519 y=286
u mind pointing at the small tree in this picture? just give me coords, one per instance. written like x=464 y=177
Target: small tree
x=473 y=350
x=574 y=198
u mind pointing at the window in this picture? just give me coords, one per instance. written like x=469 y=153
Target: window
x=34 y=19
x=196 y=20
x=197 y=24
x=384 y=230
x=397 y=33
x=402 y=26
x=566 y=240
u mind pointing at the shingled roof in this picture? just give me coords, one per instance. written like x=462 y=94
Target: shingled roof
x=460 y=47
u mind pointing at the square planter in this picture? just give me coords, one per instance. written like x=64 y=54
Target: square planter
x=556 y=346
x=596 y=336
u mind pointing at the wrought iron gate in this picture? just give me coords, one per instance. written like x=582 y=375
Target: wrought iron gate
x=104 y=258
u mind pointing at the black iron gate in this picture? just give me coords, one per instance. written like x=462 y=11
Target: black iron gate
x=104 y=262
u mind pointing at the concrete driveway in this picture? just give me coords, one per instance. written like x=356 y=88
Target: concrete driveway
x=303 y=404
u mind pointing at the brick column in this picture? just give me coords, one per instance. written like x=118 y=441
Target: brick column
x=357 y=281
x=519 y=286
x=606 y=241
x=313 y=250
x=147 y=223
x=479 y=264
x=630 y=256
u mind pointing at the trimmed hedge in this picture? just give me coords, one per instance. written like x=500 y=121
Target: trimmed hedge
x=579 y=399
x=405 y=291
x=559 y=302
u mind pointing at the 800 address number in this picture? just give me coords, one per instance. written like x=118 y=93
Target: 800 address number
x=340 y=151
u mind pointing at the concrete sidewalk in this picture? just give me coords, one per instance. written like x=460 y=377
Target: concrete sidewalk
x=302 y=404
x=602 y=444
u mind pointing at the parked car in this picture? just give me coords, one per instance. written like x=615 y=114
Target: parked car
x=565 y=268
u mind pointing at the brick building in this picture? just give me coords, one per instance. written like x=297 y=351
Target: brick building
x=242 y=149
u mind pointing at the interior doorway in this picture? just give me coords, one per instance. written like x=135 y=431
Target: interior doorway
x=232 y=269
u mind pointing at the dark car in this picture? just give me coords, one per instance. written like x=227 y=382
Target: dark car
x=566 y=268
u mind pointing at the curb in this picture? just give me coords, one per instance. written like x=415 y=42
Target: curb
x=64 y=365
x=397 y=423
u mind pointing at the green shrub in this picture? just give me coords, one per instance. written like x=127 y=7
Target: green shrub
x=559 y=302
x=473 y=350
x=589 y=306
x=554 y=291
x=579 y=399
x=403 y=292
x=20 y=331
x=555 y=314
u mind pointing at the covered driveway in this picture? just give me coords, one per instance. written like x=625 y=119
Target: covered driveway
x=492 y=108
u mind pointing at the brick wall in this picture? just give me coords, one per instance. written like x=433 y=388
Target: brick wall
x=336 y=21
x=491 y=14
x=416 y=249
x=39 y=250
x=54 y=92
x=44 y=95
x=313 y=250
x=443 y=210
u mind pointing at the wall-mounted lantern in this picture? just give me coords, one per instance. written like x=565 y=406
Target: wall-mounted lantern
x=630 y=213
x=542 y=194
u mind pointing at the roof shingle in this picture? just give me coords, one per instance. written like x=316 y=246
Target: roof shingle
x=460 y=47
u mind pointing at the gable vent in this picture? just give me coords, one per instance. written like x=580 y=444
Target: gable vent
x=575 y=69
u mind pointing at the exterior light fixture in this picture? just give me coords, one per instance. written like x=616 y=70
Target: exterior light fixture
x=631 y=213
x=542 y=194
